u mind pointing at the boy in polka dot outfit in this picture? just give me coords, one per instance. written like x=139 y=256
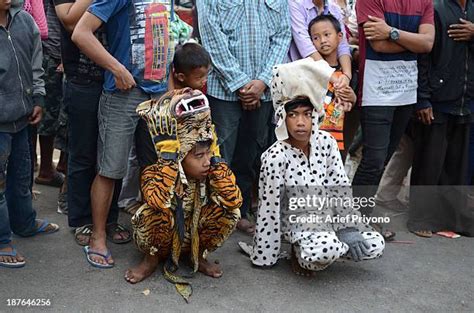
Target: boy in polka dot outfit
x=305 y=159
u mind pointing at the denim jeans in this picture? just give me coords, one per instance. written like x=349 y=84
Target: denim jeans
x=119 y=125
x=242 y=136
x=81 y=102
x=16 y=209
x=382 y=129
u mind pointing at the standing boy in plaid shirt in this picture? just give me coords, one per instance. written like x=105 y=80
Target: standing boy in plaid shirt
x=245 y=40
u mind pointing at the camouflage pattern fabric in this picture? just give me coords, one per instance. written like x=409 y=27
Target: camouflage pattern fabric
x=54 y=93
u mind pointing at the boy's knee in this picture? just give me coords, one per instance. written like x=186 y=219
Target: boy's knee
x=376 y=243
x=215 y=231
x=323 y=249
x=152 y=229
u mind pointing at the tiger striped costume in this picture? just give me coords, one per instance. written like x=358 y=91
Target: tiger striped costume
x=154 y=223
x=183 y=215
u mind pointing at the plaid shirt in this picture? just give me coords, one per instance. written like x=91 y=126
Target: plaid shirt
x=245 y=39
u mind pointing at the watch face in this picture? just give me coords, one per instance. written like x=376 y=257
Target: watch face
x=394 y=34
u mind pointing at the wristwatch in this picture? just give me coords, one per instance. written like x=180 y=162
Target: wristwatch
x=394 y=34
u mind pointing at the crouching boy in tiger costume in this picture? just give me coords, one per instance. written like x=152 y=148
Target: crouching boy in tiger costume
x=191 y=199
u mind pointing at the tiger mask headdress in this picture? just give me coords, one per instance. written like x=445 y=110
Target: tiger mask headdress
x=177 y=121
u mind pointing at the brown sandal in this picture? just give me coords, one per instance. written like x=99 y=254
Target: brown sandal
x=84 y=231
x=115 y=228
x=387 y=235
x=423 y=233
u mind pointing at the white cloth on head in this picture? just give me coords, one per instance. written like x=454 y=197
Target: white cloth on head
x=302 y=78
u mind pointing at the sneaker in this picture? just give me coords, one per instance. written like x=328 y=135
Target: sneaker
x=62 y=203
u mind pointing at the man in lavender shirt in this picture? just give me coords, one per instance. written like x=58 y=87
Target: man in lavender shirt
x=301 y=13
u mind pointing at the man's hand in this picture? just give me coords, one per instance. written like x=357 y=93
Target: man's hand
x=376 y=29
x=425 y=115
x=461 y=32
x=254 y=89
x=123 y=79
x=248 y=101
x=60 y=68
x=36 y=115
x=251 y=105
x=250 y=94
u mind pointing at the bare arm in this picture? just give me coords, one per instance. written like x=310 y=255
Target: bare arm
x=70 y=13
x=316 y=56
x=386 y=46
x=346 y=66
x=421 y=42
x=83 y=37
x=376 y=29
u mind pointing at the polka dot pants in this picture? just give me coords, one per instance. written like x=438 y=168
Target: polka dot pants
x=319 y=250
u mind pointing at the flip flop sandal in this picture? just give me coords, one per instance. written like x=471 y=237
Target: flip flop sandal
x=56 y=181
x=387 y=235
x=423 y=233
x=115 y=228
x=12 y=253
x=245 y=248
x=106 y=257
x=44 y=224
x=85 y=231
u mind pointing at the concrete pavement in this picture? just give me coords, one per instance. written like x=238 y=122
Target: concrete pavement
x=430 y=275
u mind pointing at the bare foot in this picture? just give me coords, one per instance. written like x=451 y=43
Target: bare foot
x=11 y=259
x=210 y=269
x=98 y=244
x=297 y=269
x=246 y=226
x=146 y=267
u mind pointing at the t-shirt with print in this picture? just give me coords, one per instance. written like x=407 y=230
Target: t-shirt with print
x=139 y=37
x=390 y=79
x=76 y=65
x=333 y=121
x=52 y=45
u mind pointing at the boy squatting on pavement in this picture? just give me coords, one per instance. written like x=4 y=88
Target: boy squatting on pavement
x=305 y=156
x=191 y=198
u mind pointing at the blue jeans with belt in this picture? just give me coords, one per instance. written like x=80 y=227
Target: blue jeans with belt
x=16 y=208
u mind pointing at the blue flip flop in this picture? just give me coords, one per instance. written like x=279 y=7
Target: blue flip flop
x=106 y=257
x=44 y=224
x=12 y=253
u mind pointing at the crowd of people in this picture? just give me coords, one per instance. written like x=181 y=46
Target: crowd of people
x=181 y=124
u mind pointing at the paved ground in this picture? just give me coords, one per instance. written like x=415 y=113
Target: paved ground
x=426 y=276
